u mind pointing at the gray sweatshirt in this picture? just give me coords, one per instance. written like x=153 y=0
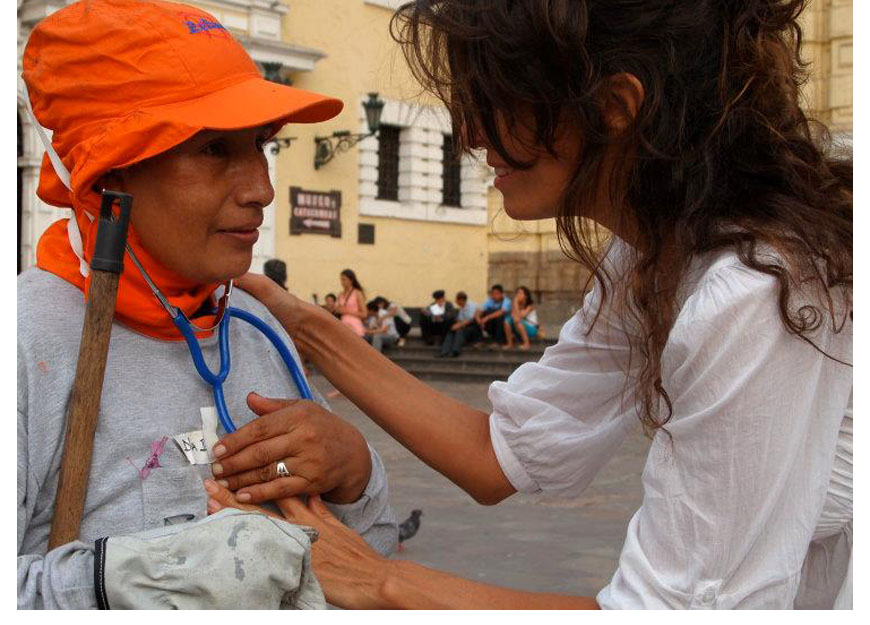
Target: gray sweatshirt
x=151 y=391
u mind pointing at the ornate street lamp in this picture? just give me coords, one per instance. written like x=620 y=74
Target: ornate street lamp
x=343 y=140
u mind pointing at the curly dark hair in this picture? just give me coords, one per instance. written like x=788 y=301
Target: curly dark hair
x=720 y=154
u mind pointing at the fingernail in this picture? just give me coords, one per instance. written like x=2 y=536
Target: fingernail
x=216 y=468
x=243 y=497
x=224 y=483
x=210 y=487
x=212 y=505
x=219 y=450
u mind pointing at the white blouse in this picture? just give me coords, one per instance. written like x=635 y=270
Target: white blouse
x=731 y=508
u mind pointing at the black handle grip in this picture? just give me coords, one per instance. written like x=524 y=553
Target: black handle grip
x=112 y=232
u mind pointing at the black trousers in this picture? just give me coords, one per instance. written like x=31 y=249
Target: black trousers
x=455 y=339
x=401 y=327
x=495 y=329
x=433 y=331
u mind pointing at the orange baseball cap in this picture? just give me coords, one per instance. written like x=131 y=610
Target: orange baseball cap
x=119 y=81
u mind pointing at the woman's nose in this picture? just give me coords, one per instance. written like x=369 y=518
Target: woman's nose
x=255 y=186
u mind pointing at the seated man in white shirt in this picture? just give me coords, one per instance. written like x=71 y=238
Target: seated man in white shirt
x=436 y=318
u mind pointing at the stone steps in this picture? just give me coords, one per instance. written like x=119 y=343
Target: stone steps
x=511 y=355
x=414 y=340
x=473 y=365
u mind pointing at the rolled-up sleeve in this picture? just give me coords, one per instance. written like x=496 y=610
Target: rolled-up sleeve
x=557 y=421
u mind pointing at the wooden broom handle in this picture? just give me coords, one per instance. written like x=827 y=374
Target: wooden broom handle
x=84 y=406
x=107 y=263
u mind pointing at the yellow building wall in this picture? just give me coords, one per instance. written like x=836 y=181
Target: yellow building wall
x=409 y=259
x=827 y=47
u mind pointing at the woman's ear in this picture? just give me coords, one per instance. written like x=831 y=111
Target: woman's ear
x=622 y=102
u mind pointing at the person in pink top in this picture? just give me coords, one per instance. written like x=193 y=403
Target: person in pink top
x=351 y=302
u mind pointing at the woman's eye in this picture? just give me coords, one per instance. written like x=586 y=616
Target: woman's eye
x=215 y=148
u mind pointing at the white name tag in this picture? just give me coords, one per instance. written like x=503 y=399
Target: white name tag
x=197 y=444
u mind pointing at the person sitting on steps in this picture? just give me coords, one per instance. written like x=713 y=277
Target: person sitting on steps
x=401 y=318
x=491 y=317
x=380 y=329
x=464 y=329
x=523 y=320
x=436 y=318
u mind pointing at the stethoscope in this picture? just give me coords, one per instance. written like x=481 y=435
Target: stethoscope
x=224 y=313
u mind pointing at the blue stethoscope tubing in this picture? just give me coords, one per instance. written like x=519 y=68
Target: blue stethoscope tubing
x=216 y=380
x=225 y=312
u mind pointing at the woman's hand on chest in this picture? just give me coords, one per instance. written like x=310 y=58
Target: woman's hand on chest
x=320 y=453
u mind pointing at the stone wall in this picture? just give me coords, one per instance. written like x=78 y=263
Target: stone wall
x=555 y=281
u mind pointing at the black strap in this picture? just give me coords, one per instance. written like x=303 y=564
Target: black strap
x=100 y=573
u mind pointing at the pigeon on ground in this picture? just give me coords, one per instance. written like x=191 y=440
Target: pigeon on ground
x=408 y=528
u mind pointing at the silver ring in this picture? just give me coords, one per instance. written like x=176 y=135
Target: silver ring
x=282 y=470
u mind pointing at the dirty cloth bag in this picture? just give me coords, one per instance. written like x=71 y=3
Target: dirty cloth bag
x=231 y=560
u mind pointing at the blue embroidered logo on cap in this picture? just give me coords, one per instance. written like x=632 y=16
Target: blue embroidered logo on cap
x=202 y=26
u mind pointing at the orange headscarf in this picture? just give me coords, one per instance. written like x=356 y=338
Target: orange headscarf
x=120 y=81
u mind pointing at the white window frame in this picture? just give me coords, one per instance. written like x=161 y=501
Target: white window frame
x=420 y=169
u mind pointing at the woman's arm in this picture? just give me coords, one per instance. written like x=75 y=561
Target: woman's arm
x=408 y=585
x=361 y=305
x=355 y=577
x=446 y=434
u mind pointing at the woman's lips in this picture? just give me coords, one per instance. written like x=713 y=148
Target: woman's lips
x=244 y=236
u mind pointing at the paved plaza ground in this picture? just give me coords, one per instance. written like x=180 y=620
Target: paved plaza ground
x=525 y=542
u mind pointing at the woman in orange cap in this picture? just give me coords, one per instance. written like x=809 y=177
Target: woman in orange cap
x=158 y=100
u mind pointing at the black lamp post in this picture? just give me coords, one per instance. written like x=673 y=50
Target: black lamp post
x=343 y=140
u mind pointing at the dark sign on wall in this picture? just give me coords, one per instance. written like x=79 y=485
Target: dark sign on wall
x=315 y=212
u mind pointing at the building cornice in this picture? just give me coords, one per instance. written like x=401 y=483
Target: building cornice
x=273 y=6
x=293 y=58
